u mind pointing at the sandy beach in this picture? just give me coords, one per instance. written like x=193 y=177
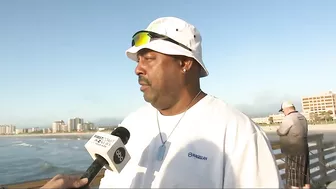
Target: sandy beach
x=328 y=131
x=319 y=128
x=81 y=135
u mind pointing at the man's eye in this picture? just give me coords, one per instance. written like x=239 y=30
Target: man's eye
x=149 y=58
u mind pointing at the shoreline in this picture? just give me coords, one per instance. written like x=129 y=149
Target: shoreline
x=267 y=129
x=53 y=134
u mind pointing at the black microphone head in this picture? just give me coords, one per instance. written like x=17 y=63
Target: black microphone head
x=122 y=133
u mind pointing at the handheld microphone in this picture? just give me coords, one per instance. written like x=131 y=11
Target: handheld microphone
x=107 y=150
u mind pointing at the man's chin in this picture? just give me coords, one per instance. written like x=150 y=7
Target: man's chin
x=147 y=97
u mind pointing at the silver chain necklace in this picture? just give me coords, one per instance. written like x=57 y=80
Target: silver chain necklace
x=162 y=148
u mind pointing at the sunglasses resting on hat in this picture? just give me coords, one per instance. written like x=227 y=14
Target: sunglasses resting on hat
x=144 y=37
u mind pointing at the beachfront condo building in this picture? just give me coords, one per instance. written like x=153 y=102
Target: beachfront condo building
x=59 y=126
x=319 y=104
x=73 y=123
x=7 y=129
x=273 y=118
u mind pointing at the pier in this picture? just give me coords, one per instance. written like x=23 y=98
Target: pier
x=322 y=156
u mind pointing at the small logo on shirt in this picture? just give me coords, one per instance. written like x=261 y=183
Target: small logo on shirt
x=190 y=154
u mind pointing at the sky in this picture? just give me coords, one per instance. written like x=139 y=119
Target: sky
x=63 y=59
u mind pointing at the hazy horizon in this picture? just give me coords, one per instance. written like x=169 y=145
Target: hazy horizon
x=268 y=107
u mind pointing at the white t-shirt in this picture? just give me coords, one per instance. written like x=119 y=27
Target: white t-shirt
x=213 y=146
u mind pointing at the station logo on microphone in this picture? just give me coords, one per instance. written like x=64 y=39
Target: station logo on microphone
x=119 y=155
x=103 y=141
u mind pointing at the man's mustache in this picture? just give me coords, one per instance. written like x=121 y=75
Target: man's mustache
x=143 y=80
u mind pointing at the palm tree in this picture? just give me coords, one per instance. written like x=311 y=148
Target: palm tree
x=327 y=116
x=314 y=117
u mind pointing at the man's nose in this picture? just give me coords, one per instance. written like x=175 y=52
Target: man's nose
x=139 y=69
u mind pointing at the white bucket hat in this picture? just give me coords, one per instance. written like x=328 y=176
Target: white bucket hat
x=178 y=30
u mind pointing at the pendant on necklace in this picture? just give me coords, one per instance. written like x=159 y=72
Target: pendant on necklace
x=161 y=152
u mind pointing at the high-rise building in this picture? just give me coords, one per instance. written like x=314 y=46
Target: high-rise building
x=58 y=126
x=78 y=122
x=7 y=129
x=2 y=130
x=89 y=126
x=325 y=102
x=73 y=123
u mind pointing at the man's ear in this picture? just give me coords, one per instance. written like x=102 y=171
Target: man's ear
x=186 y=64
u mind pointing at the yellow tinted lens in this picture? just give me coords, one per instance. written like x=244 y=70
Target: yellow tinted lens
x=141 y=39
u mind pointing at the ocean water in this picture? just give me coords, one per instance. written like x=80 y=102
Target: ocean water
x=31 y=158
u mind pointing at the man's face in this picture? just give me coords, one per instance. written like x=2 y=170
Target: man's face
x=159 y=76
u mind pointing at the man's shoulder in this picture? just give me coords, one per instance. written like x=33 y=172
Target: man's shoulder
x=222 y=107
x=287 y=120
x=237 y=124
x=298 y=115
x=228 y=113
x=294 y=116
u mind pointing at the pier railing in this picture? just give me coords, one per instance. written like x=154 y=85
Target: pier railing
x=322 y=165
x=322 y=156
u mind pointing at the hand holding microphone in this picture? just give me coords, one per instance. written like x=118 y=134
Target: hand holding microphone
x=65 y=182
x=107 y=150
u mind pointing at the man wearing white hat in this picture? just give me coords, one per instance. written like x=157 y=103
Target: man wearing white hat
x=183 y=137
x=293 y=133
